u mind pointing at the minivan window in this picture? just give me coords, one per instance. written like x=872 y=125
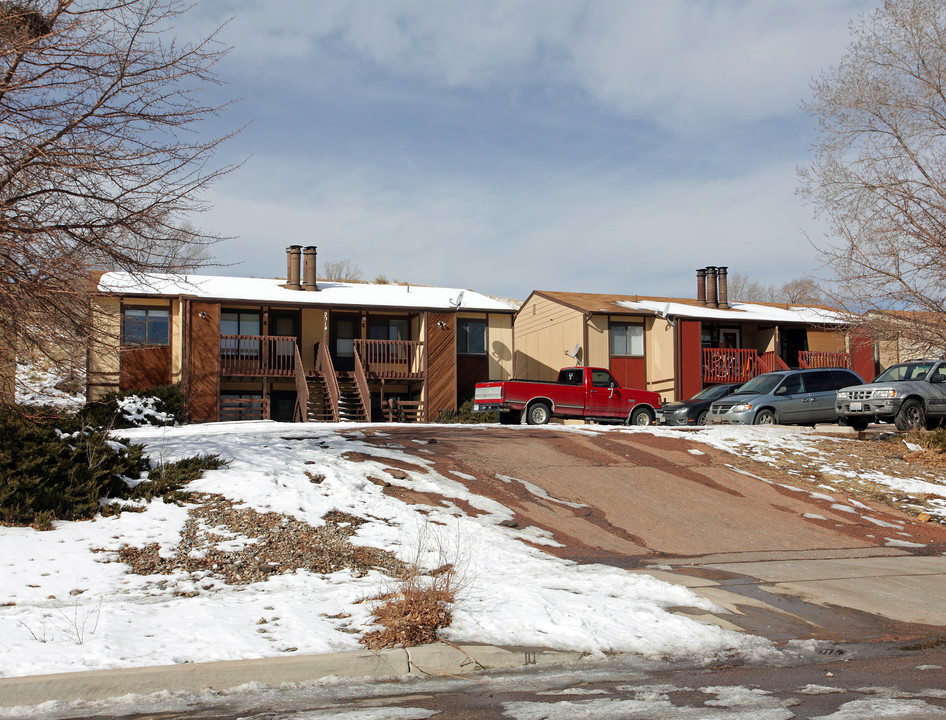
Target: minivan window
x=794 y=384
x=760 y=384
x=819 y=381
x=844 y=378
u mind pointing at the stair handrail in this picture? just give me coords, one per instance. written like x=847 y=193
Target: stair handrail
x=362 y=383
x=326 y=369
x=301 y=412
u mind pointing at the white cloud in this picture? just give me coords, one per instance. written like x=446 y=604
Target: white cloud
x=682 y=61
x=586 y=234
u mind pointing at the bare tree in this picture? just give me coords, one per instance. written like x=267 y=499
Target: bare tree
x=742 y=288
x=879 y=171
x=800 y=291
x=100 y=160
x=346 y=270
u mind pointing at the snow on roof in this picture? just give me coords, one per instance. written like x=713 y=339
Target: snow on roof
x=244 y=289
x=740 y=311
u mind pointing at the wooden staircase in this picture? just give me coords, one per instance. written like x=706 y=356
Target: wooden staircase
x=320 y=405
x=350 y=406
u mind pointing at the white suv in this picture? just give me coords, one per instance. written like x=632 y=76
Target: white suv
x=911 y=395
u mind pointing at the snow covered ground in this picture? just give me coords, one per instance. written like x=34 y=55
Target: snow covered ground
x=66 y=604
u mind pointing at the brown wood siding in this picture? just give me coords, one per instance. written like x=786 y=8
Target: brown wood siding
x=203 y=361
x=145 y=367
x=441 y=363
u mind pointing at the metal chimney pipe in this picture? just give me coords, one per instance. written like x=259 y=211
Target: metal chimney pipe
x=293 y=261
x=723 y=286
x=701 y=286
x=309 y=269
x=711 y=286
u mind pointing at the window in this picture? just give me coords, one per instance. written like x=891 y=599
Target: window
x=602 y=378
x=471 y=337
x=794 y=384
x=388 y=329
x=240 y=322
x=146 y=326
x=819 y=381
x=627 y=339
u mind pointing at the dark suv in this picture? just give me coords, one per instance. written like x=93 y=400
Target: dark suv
x=911 y=395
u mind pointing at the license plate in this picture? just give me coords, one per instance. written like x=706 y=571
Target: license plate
x=856 y=406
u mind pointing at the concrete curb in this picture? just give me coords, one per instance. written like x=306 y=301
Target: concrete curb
x=436 y=659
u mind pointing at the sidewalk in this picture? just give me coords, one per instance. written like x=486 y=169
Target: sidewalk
x=437 y=659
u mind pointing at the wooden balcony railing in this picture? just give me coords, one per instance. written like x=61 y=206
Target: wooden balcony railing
x=391 y=359
x=257 y=355
x=324 y=368
x=814 y=359
x=233 y=408
x=729 y=365
x=770 y=362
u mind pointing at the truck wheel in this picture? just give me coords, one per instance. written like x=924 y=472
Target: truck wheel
x=641 y=416
x=911 y=416
x=509 y=418
x=538 y=414
x=764 y=417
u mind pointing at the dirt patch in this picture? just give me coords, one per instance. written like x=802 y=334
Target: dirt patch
x=240 y=546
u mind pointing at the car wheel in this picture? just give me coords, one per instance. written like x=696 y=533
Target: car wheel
x=911 y=416
x=764 y=417
x=538 y=414
x=641 y=416
x=701 y=420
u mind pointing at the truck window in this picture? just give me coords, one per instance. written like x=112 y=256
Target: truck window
x=601 y=378
x=570 y=377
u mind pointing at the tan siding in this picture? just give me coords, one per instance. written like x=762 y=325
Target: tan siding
x=441 y=389
x=177 y=341
x=826 y=341
x=104 y=360
x=659 y=354
x=313 y=327
x=499 y=346
x=599 y=342
x=544 y=330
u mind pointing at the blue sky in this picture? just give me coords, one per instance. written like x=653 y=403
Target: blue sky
x=508 y=146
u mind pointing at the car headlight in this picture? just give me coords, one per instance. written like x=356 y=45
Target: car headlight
x=742 y=407
x=886 y=393
x=843 y=395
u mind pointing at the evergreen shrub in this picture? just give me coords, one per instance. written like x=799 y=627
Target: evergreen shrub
x=169 y=399
x=46 y=472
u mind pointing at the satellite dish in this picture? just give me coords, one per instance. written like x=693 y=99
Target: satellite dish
x=574 y=353
x=665 y=314
x=459 y=301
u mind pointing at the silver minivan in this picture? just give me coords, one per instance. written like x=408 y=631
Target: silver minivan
x=784 y=397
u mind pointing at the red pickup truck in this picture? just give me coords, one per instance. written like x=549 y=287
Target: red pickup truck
x=580 y=392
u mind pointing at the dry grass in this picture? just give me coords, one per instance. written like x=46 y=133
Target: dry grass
x=416 y=610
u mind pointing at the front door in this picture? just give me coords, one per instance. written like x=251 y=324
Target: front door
x=284 y=324
x=344 y=331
